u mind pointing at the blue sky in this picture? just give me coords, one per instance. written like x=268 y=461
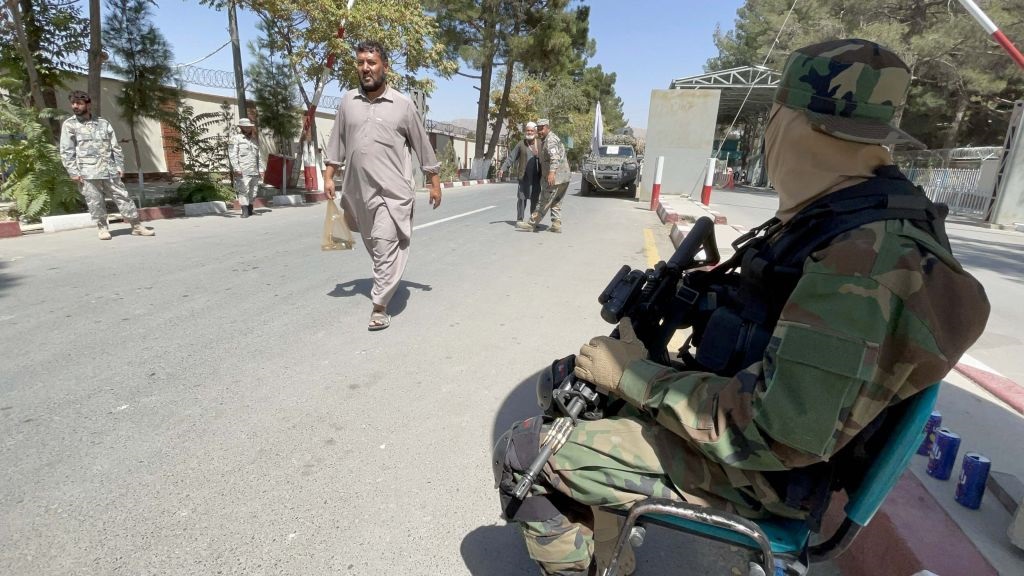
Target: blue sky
x=647 y=43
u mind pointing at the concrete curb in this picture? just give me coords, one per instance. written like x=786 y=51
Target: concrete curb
x=998 y=385
x=461 y=183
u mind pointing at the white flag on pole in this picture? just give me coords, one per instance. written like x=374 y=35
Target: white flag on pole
x=596 y=139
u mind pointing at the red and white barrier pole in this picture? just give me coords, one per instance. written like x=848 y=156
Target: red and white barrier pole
x=991 y=28
x=656 y=190
x=709 y=180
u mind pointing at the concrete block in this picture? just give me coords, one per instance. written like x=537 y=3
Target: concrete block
x=288 y=200
x=10 y=229
x=205 y=208
x=67 y=222
x=1016 y=529
x=1007 y=488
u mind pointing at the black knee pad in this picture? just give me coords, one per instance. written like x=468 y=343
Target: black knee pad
x=515 y=450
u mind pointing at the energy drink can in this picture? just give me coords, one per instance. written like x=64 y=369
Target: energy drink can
x=943 y=454
x=973 y=477
x=934 y=421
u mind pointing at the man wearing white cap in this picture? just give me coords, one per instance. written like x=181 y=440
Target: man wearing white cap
x=244 y=155
x=525 y=157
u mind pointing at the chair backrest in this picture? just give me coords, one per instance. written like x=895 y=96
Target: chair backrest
x=886 y=470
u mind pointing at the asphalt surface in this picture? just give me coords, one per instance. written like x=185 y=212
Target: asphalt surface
x=209 y=401
x=992 y=256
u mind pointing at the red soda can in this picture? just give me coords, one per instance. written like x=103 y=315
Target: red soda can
x=934 y=421
x=943 y=455
x=973 y=477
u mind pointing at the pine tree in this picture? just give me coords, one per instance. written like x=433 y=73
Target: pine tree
x=141 y=56
x=273 y=88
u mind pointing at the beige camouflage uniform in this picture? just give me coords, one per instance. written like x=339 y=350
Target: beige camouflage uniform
x=244 y=155
x=552 y=157
x=89 y=149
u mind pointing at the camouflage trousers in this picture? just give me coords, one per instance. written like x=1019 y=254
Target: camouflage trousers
x=550 y=199
x=246 y=188
x=613 y=463
x=94 y=192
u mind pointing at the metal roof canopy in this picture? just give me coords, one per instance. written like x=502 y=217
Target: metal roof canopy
x=734 y=84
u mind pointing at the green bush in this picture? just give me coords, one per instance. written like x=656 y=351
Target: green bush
x=204 y=191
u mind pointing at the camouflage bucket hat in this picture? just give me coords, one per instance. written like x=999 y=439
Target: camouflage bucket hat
x=849 y=89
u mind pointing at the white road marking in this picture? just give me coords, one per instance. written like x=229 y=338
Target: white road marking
x=451 y=218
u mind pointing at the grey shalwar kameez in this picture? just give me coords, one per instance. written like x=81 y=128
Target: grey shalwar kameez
x=372 y=140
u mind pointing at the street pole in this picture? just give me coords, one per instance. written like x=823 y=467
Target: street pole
x=236 y=56
x=95 y=56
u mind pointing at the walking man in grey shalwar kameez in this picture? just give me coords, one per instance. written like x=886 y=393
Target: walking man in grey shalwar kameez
x=374 y=130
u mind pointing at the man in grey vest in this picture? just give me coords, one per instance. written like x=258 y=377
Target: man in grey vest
x=93 y=159
x=244 y=155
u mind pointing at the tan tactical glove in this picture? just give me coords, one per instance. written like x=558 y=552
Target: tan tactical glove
x=604 y=359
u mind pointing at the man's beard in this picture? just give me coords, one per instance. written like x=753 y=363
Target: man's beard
x=81 y=114
x=530 y=137
x=371 y=84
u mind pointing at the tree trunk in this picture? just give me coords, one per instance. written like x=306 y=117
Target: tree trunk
x=138 y=165
x=502 y=111
x=95 y=56
x=236 y=58
x=35 y=89
x=483 y=104
x=963 y=100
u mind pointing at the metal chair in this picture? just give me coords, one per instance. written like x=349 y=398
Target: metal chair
x=784 y=544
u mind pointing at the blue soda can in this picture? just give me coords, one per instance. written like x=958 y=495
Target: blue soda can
x=934 y=421
x=943 y=455
x=973 y=477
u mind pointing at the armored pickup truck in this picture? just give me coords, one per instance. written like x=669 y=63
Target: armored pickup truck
x=616 y=167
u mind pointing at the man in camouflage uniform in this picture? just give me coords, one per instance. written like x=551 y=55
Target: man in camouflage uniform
x=244 y=155
x=554 y=169
x=868 y=324
x=93 y=158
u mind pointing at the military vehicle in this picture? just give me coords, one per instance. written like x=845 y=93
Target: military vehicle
x=615 y=168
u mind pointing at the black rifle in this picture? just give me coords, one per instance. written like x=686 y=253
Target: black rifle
x=657 y=304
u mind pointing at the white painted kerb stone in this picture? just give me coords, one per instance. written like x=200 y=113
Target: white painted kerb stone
x=204 y=208
x=67 y=222
x=289 y=200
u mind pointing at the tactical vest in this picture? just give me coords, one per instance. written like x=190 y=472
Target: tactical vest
x=736 y=311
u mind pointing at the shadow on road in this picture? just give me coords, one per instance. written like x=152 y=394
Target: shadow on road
x=1000 y=257
x=362 y=287
x=490 y=550
x=7 y=281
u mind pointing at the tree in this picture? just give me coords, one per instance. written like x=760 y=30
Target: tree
x=273 y=88
x=141 y=56
x=963 y=84
x=39 y=43
x=36 y=181
x=545 y=37
x=202 y=142
x=307 y=33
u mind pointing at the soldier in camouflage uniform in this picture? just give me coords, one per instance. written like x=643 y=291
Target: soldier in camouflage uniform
x=244 y=155
x=554 y=170
x=93 y=158
x=868 y=324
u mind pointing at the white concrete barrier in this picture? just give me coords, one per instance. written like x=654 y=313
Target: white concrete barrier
x=67 y=222
x=289 y=200
x=206 y=208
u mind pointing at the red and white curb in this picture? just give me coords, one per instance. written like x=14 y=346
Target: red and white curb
x=995 y=383
x=461 y=183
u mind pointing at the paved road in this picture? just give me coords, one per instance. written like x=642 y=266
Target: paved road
x=995 y=257
x=209 y=400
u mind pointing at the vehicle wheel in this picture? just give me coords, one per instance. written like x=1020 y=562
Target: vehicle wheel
x=584 y=187
x=631 y=189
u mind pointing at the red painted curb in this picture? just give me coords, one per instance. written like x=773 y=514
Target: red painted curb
x=260 y=203
x=10 y=229
x=999 y=386
x=909 y=534
x=159 y=213
x=307 y=196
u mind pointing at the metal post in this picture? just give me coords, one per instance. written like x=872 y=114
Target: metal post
x=656 y=190
x=709 y=179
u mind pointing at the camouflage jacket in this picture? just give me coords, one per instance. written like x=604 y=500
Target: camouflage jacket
x=553 y=159
x=244 y=155
x=90 y=149
x=869 y=324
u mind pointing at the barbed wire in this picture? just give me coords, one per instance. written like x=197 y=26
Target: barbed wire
x=207 y=77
